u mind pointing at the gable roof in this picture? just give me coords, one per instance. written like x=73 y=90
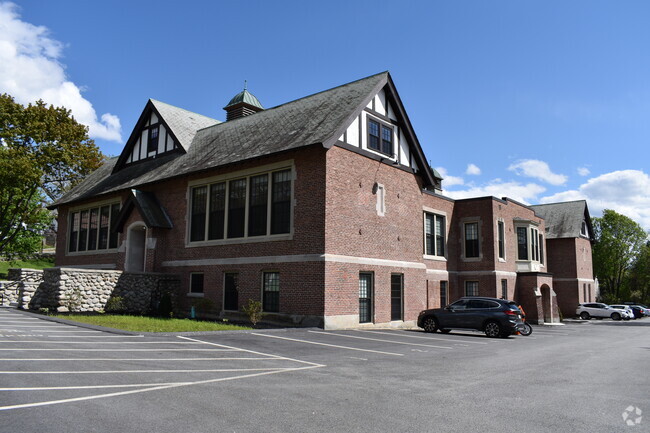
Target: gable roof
x=153 y=214
x=564 y=220
x=181 y=124
x=320 y=118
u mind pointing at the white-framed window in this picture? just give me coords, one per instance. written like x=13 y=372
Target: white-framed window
x=471 y=236
x=250 y=206
x=91 y=229
x=444 y=296
x=501 y=239
x=380 y=137
x=471 y=288
x=271 y=292
x=434 y=234
x=528 y=243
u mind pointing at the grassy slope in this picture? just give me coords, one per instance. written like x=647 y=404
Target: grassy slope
x=30 y=264
x=150 y=324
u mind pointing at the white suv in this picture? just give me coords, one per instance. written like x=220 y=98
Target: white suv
x=627 y=309
x=599 y=310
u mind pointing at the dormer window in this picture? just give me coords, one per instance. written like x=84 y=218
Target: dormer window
x=583 y=229
x=380 y=137
x=152 y=143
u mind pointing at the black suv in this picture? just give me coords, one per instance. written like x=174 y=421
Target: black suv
x=496 y=317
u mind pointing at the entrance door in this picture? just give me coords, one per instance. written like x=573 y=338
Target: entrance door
x=396 y=297
x=365 y=297
x=135 y=249
x=230 y=294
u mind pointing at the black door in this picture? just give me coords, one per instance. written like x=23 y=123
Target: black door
x=396 y=297
x=365 y=298
x=230 y=295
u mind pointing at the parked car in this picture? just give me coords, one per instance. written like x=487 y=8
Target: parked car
x=627 y=309
x=495 y=317
x=638 y=309
x=599 y=311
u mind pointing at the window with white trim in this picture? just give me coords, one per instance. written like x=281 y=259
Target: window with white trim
x=434 y=234
x=471 y=288
x=501 y=236
x=91 y=229
x=271 y=292
x=245 y=207
x=528 y=244
x=380 y=137
x=472 y=248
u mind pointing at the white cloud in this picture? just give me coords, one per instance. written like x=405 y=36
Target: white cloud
x=449 y=180
x=583 y=171
x=624 y=191
x=537 y=170
x=526 y=194
x=30 y=70
x=473 y=169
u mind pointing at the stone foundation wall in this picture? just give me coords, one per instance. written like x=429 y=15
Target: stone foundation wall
x=85 y=290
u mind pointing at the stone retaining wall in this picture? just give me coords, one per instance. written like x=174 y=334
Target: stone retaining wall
x=85 y=290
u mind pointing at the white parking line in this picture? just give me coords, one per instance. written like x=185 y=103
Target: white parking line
x=155 y=388
x=212 y=370
x=380 y=340
x=253 y=352
x=56 y=388
x=104 y=342
x=22 y=349
x=404 y=334
x=329 y=345
x=133 y=359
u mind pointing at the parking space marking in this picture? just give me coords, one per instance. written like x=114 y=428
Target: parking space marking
x=380 y=340
x=154 y=388
x=24 y=349
x=209 y=370
x=104 y=342
x=59 y=388
x=328 y=345
x=404 y=334
x=247 y=372
x=132 y=359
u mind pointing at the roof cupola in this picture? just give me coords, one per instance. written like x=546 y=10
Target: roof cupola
x=242 y=104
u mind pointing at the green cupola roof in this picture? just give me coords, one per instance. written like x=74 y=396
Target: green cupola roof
x=246 y=97
x=242 y=104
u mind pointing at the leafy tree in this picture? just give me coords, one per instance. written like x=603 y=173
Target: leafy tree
x=43 y=153
x=619 y=241
x=640 y=276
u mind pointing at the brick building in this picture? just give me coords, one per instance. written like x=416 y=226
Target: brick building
x=324 y=208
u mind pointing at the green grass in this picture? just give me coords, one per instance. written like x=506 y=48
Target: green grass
x=150 y=324
x=31 y=264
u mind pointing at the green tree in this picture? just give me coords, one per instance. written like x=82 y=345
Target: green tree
x=640 y=276
x=619 y=241
x=43 y=153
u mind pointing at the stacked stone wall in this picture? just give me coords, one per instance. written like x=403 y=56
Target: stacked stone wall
x=84 y=290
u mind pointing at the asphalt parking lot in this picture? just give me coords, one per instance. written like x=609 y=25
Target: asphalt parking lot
x=577 y=377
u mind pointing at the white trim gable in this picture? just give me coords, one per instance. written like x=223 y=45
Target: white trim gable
x=380 y=111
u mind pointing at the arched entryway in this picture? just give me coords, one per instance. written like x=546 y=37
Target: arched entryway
x=547 y=303
x=136 y=239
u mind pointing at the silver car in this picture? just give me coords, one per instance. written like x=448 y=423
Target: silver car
x=600 y=311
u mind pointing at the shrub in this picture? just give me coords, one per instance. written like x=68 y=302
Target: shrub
x=165 y=308
x=115 y=305
x=254 y=311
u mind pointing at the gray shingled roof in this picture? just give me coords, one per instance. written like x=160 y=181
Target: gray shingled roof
x=315 y=119
x=183 y=123
x=563 y=220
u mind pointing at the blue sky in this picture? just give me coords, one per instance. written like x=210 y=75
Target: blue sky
x=539 y=101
